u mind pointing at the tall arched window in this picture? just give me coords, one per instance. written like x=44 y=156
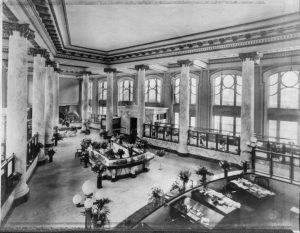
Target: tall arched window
x=283 y=87
x=153 y=90
x=125 y=90
x=102 y=96
x=227 y=98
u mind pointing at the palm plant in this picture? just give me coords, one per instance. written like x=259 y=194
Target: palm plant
x=203 y=172
x=245 y=165
x=156 y=196
x=100 y=213
x=184 y=176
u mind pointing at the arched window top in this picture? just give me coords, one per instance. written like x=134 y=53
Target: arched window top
x=153 y=86
x=125 y=89
x=283 y=89
x=227 y=88
x=125 y=78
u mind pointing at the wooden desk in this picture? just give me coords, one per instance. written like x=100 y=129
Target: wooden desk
x=251 y=188
x=216 y=200
x=191 y=213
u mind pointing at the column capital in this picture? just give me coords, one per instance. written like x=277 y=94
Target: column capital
x=141 y=67
x=50 y=63
x=25 y=31
x=184 y=62
x=43 y=52
x=110 y=70
x=252 y=56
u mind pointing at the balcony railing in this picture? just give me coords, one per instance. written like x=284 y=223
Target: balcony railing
x=160 y=131
x=32 y=149
x=7 y=183
x=214 y=141
x=277 y=147
x=275 y=164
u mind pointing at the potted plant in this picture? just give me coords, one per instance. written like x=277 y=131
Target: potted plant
x=177 y=186
x=51 y=153
x=121 y=152
x=110 y=154
x=184 y=176
x=156 y=196
x=245 y=166
x=104 y=145
x=225 y=166
x=203 y=172
x=57 y=137
x=99 y=169
x=100 y=213
x=96 y=145
x=142 y=144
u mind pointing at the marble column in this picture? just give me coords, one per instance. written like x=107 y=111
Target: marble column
x=38 y=98
x=49 y=104
x=17 y=100
x=109 y=101
x=184 y=106
x=56 y=97
x=141 y=75
x=95 y=96
x=247 y=108
x=84 y=99
x=115 y=99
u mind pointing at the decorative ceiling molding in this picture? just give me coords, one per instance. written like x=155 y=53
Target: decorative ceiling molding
x=287 y=30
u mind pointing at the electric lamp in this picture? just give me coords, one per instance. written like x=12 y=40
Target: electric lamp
x=88 y=203
x=77 y=199
x=88 y=187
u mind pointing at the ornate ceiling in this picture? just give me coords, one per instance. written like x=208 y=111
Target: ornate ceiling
x=114 y=32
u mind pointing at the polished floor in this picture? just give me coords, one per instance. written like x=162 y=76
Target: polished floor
x=53 y=186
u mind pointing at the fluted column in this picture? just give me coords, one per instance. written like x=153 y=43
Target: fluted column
x=184 y=105
x=38 y=98
x=49 y=104
x=17 y=99
x=110 y=99
x=141 y=75
x=56 y=96
x=247 y=108
x=84 y=98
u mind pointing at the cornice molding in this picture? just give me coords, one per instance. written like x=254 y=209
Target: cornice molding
x=110 y=70
x=141 y=67
x=35 y=51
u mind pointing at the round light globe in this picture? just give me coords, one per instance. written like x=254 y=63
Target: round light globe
x=97 y=195
x=88 y=187
x=88 y=203
x=76 y=199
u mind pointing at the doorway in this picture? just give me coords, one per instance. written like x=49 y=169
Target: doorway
x=133 y=129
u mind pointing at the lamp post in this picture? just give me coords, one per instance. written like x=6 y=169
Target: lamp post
x=88 y=188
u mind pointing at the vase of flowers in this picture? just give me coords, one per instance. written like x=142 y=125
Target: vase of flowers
x=184 y=176
x=225 y=166
x=100 y=213
x=156 y=197
x=203 y=172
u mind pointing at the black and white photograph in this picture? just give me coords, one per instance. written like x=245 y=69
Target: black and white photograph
x=150 y=116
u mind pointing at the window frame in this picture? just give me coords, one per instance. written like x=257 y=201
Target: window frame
x=157 y=92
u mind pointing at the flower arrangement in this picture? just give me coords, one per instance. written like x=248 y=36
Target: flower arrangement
x=85 y=143
x=184 y=176
x=104 y=145
x=96 y=145
x=156 y=196
x=110 y=154
x=121 y=152
x=141 y=144
x=51 y=153
x=245 y=165
x=226 y=167
x=203 y=172
x=100 y=213
x=120 y=138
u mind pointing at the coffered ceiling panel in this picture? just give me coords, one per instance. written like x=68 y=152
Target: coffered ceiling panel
x=110 y=25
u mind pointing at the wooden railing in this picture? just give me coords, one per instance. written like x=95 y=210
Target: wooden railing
x=7 y=172
x=214 y=141
x=32 y=149
x=274 y=164
x=160 y=131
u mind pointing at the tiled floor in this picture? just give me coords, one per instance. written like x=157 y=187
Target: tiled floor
x=54 y=185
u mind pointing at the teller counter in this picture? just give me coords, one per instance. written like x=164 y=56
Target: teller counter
x=125 y=167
